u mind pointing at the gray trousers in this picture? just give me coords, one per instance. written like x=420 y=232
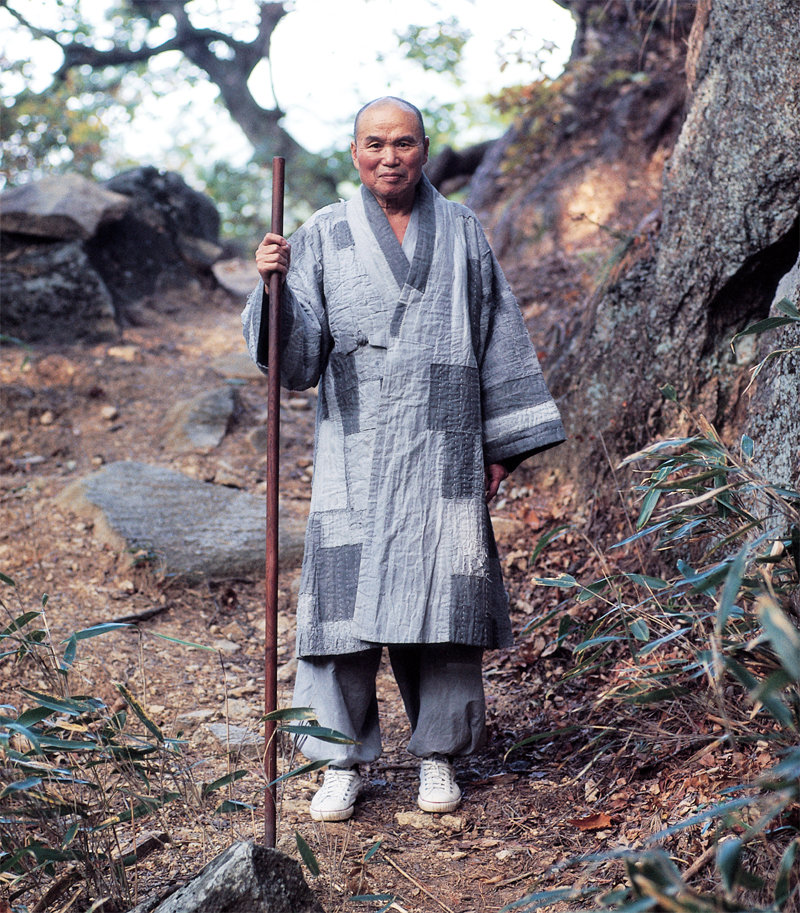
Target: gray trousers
x=442 y=690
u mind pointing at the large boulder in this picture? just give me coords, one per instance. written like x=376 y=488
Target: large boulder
x=167 y=238
x=193 y=530
x=66 y=207
x=78 y=257
x=51 y=294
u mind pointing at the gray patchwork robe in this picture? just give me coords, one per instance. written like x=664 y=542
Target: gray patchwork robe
x=426 y=373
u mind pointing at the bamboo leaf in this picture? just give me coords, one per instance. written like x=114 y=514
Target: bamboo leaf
x=761 y=326
x=20 y=786
x=19 y=623
x=731 y=587
x=70 y=706
x=372 y=850
x=232 y=777
x=232 y=807
x=652 y=583
x=139 y=710
x=97 y=630
x=69 y=654
x=323 y=733
x=782 y=634
x=291 y=713
x=545 y=540
x=786 y=307
x=783 y=881
x=183 y=643
x=299 y=771
x=565 y=581
x=307 y=854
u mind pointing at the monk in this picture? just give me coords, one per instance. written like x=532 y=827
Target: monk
x=429 y=394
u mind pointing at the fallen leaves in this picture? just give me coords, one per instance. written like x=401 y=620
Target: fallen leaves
x=597 y=822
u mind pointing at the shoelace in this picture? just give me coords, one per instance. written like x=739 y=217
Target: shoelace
x=437 y=775
x=337 y=781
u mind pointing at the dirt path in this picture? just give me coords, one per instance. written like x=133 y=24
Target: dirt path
x=525 y=812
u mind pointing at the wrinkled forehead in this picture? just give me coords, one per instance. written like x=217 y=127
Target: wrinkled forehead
x=388 y=121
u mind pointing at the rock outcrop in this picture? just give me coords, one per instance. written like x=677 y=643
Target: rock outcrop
x=246 y=878
x=78 y=257
x=696 y=242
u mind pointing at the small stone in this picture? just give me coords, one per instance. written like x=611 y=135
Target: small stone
x=196 y=716
x=109 y=413
x=417 y=820
x=225 y=646
x=124 y=353
x=299 y=403
x=6 y=437
x=98 y=460
x=47 y=418
x=452 y=822
x=237 y=739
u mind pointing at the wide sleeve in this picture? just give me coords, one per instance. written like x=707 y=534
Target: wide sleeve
x=519 y=415
x=305 y=335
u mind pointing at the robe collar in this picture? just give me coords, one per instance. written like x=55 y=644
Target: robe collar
x=414 y=273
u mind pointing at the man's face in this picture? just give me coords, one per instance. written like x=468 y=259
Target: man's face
x=389 y=152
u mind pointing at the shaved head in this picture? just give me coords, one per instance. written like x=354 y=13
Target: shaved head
x=397 y=102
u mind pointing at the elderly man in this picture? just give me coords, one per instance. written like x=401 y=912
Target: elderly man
x=430 y=393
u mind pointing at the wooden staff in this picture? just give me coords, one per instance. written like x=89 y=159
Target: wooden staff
x=273 y=442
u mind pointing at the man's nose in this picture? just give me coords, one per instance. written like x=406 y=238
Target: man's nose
x=390 y=155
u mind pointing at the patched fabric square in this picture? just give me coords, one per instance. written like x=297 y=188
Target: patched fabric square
x=345 y=385
x=342 y=236
x=512 y=395
x=337 y=581
x=454 y=400
x=462 y=466
x=468 y=609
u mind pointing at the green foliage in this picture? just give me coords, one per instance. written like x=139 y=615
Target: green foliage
x=438 y=48
x=723 y=629
x=64 y=128
x=80 y=778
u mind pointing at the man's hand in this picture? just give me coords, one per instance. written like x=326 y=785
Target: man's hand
x=273 y=255
x=492 y=477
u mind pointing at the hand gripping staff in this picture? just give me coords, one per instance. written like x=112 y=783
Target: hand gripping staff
x=273 y=441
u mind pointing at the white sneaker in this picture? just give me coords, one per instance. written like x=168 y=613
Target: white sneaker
x=335 y=799
x=438 y=790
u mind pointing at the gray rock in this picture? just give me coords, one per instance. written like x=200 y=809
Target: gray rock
x=238 y=366
x=237 y=740
x=167 y=239
x=237 y=276
x=199 y=423
x=246 y=878
x=51 y=294
x=194 y=530
x=774 y=414
x=64 y=206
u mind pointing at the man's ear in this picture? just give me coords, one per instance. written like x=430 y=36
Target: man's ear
x=427 y=145
x=353 y=154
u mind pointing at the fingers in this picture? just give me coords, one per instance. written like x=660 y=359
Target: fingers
x=494 y=474
x=273 y=255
